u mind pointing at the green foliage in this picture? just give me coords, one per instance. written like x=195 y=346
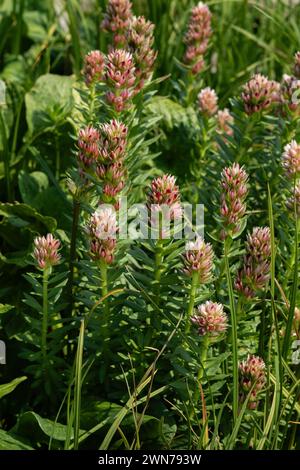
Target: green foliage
x=109 y=359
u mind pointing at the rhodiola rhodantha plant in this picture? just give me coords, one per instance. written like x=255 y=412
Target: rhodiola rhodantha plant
x=150 y=226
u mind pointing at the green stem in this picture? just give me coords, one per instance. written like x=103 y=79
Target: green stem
x=158 y=268
x=104 y=292
x=203 y=357
x=57 y=157
x=45 y=315
x=92 y=103
x=191 y=304
x=76 y=213
x=233 y=319
x=16 y=129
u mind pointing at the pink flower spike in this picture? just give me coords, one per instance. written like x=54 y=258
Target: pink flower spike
x=46 y=251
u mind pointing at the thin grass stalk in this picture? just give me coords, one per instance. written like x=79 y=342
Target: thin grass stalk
x=234 y=338
x=78 y=385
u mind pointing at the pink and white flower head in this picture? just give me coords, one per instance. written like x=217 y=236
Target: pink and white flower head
x=120 y=78
x=291 y=160
x=164 y=192
x=140 y=41
x=210 y=319
x=252 y=373
x=224 y=122
x=46 y=251
x=93 y=67
x=198 y=258
x=197 y=37
x=113 y=141
x=117 y=19
x=234 y=191
x=102 y=231
x=88 y=143
x=208 y=102
x=255 y=272
x=258 y=243
x=290 y=93
x=260 y=94
x=294 y=201
x=297 y=64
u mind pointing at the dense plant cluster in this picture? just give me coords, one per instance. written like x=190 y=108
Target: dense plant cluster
x=119 y=331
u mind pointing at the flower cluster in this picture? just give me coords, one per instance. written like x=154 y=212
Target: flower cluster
x=208 y=102
x=102 y=231
x=117 y=19
x=210 y=319
x=297 y=65
x=234 y=192
x=255 y=273
x=120 y=79
x=140 y=41
x=224 y=122
x=88 y=145
x=198 y=258
x=112 y=151
x=294 y=200
x=290 y=92
x=291 y=160
x=164 y=192
x=197 y=37
x=252 y=375
x=93 y=68
x=260 y=93
x=46 y=251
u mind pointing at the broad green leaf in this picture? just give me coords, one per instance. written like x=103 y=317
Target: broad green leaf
x=5 y=389
x=8 y=442
x=31 y=185
x=22 y=215
x=33 y=426
x=49 y=102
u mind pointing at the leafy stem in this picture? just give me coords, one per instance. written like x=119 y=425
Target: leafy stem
x=192 y=297
x=76 y=214
x=46 y=274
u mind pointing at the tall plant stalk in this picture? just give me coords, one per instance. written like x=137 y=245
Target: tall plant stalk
x=192 y=297
x=76 y=214
x=45 y=315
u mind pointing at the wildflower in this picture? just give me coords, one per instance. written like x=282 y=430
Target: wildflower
x=260 y=93
x=46 y=251
x=102 y=231
x=291 y=159
x=294 y=200
x=290 y=92
x=140 y=41
x=164 y=192
x=297 y=64
x=120 y=78
x=210 y=319
x=116 y=20
x=252 y=373
x=197 y=37
x=234 y=192
x=255 y=273
x=93 y=67
x=224 y=122
x=113 y=141
x=208 y=102
x=88 y=143
x=198 y=258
